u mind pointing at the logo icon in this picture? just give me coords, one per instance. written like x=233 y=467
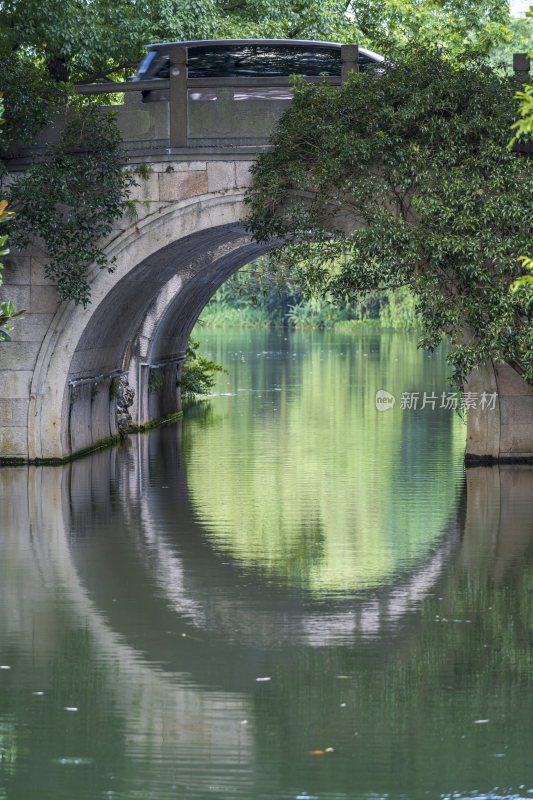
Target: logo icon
x=384 y=400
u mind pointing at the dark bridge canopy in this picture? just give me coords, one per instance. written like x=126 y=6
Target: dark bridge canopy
x=232 y=58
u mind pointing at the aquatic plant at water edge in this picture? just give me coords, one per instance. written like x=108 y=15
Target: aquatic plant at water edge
x=198 y=372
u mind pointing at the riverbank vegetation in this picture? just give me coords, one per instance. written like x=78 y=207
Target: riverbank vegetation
x=258 y=297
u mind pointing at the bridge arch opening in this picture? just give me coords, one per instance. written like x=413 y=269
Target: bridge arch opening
x=140 y=331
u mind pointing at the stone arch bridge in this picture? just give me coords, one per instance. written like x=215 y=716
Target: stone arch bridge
x=200 y=135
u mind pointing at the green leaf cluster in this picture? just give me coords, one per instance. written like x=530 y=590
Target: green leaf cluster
x=523 y=130
x=71 y=199
x=32 y=99
x=7 y=309
x=84 y=40
x=198 y=372
x=259 y=296
x=405 y=178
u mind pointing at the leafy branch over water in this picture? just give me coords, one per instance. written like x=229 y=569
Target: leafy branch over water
x=198 y=373
x=405 y=179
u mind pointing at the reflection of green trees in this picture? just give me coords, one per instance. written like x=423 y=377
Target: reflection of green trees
x=8 y=747
x=303 y=479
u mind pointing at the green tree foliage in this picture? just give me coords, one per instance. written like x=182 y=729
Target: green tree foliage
x=523 y=129
x=519 y=39
x=409 y=181
x=393 y=25
x=91 y=39
x=7 y=309
x=258 y=297
x=72 y=199
x=32 y=99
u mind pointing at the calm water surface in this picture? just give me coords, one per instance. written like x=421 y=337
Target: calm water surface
x=289 y=594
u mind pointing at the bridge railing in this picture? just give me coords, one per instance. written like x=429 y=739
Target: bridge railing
x=206 y=112
x=200 y=113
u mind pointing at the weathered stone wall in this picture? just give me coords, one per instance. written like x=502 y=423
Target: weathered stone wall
x=27 y=286
x=504 y=433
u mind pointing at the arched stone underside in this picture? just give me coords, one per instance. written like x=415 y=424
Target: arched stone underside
x=142 y=328
x=137 y=325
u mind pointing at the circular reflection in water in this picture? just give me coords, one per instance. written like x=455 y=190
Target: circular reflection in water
x=297 y=477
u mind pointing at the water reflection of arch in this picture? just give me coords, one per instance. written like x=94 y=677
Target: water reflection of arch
x=43 y=604
x=210 y=596
x=162 y=583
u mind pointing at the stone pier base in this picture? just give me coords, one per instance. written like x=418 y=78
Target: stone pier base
x=503 y=430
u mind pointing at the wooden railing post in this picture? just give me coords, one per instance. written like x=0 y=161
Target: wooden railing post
x=521 y=66
x=350 y=60
x=178 y=97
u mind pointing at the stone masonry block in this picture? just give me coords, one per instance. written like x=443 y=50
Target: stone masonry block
x=80 y=417
x=516 y=409
x=516 y=440
x=14 y=413
x=242 y=172
x=44 y=299
x=144 y=122
x=38 y=276
x=19 y=295
x=14 y=442
x=14 y=384
x=19 y=356
x=179 y=166
x=32 y=328
x=126 y=220
x=180 y=185
x=510 y=382
x=146 y=190
x=16 y=270
x=220 y=176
